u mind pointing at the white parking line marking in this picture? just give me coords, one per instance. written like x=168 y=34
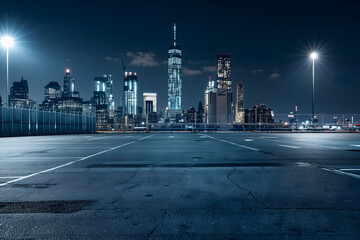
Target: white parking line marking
x=302 y=164
x=92 y=139
x=171 y=136
x=248 y=140
x=342 y=173
x=72 y=162
x=349 y=169
x=232 y=143
x=11 y=177
x=288 y=146
x=355 y=145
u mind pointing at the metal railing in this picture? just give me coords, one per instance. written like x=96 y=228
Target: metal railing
x=23 y=121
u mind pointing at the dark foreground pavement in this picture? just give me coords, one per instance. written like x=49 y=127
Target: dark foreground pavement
x=181 y=186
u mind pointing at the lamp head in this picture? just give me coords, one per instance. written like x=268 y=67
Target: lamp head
x=313 y=55
x=7 y=41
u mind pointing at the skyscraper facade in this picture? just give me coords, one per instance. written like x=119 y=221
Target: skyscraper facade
x=224 y=71
x=130 y=93
x=19 y=94
x=69 y=84
x=239 y=110
x=52 y=92
x=150 y=102
x=224 y=103
x=104 y=84
x=109 y=95
x=70 y=100
x=210 y=102
x=174 y=79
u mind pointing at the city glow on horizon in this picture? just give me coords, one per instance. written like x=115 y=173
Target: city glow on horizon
x=7 y=41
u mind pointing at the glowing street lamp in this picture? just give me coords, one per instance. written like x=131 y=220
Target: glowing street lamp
x=7 y=42
x=313 y=56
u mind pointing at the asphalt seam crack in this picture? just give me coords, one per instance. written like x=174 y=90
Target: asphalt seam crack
x=251 y=193
x=156 y=227
x=126 y=189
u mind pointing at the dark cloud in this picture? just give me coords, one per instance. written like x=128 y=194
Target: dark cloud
x=275 y=76
x=210 y=68
x=142 y=59
x=187 y=71
x=257 y=71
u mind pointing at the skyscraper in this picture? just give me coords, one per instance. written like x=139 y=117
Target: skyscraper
x=70 y=100
x=239 y=110
x=210 y=102
x=150 y=102
x=224 y=71
x=69 y=84
x=174 y=79
x=130 y=93
x=52 y=92
x=224 y=103
x=105 y=85
x=19 y=94
x=109 y=95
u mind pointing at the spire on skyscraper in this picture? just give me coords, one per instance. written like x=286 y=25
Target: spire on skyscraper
x=174 y=34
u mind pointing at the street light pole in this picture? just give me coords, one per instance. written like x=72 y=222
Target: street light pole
x=313 y=92
x=313 y=57
x=7 y=78
x=7 y=42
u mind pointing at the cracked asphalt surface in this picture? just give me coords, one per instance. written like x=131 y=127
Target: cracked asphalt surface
x=181 y=186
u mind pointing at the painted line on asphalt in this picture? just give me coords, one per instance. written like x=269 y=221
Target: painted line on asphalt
x=11 y=177
x=302 y=143
x=302 y=164
x=355 y=145
x=146 y=137
x=72 y=162
x=289 y=146
x=232 y=143
x=349 y=169
x=342 y=173
x=92 y=139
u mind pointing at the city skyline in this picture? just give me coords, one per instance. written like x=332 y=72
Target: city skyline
x=281 y=78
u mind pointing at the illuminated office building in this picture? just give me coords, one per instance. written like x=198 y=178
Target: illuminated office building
x=150 y=102
x=69 y=84
x=174 y=79
x=19 y=94
x=210 y=102
x=104 y=92
x=239 y=110
x=224 y=71
x=52 y=92
x=130 y=93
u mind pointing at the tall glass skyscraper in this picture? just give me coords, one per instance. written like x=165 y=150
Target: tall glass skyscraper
x=240 y=110
x=69 y=84
x=130 y=93
x=174 y=79
x=224 y=71
x=105 y=84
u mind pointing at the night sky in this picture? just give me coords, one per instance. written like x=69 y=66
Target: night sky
x=269 y=42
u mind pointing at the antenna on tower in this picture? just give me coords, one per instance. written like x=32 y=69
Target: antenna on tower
x=174 y=34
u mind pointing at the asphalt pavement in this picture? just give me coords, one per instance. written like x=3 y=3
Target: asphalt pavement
x=246 y=185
